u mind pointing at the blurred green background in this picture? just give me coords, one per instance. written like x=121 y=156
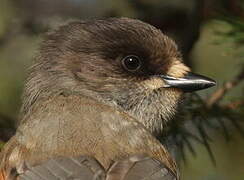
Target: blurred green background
x=210 y=34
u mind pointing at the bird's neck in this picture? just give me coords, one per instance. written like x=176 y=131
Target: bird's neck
x=73 y=125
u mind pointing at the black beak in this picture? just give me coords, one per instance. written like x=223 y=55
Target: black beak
x=191 y=82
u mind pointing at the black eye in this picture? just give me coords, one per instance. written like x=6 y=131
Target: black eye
x=131 y=63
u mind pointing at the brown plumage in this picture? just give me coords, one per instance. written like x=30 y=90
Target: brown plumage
x=96 y=90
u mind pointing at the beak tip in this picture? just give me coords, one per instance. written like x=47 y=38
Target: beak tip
x=213 y=83
x=204 y=83
x=209 y=83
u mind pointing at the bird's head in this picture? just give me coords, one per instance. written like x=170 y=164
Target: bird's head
x=122 y=62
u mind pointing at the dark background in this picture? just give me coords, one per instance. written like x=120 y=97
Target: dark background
x=210 y=34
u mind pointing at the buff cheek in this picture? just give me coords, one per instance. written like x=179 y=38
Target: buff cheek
x=178 y=69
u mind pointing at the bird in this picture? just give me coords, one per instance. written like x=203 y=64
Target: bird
x=98 y=95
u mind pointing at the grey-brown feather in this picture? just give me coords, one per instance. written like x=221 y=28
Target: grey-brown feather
x=86 y=168
x=109 y=135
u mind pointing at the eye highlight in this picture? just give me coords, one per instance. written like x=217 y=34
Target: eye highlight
x=131 y=63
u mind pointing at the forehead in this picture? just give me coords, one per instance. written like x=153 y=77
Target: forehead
x=120 y=37
x=133 y=34
x=113 y=38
